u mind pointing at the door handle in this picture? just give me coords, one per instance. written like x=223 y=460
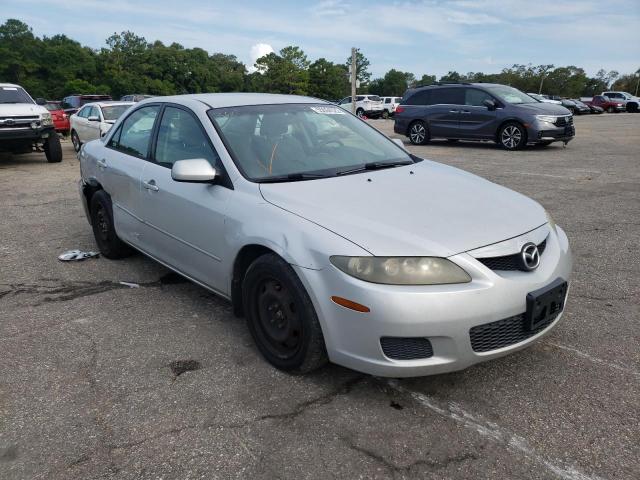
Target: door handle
x=465 y=111
x=102 y=163
x=454 y=111
x=150 y=185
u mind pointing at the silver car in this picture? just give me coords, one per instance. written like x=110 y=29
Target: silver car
x=333 y=241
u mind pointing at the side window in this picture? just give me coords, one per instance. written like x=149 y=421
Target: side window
x=387 y=100
x=135 y=132
x=423 y=97
x=83 y=113
x=359 y=98
x=180 y=137
x=449 y=96
x=475 y=97
x=94 y=112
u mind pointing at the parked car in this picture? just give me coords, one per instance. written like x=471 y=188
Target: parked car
x=389 y=105
x=26 y=125
x=578 y=107
x=630 y=101
x=60 y=119
x=481 y=111
x=94 y=120
x=300 y=233
x=72 y=103
x=544 y=98
x=366 y=105
x=134 y=98
x=610 y=106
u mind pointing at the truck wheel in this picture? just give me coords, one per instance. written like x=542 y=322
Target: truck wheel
x=76 y=141
x=385 y=114
x=104 y=229
x=53 y=149
x=281 y=317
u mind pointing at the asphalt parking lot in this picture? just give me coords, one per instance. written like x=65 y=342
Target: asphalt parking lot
x=89 y=387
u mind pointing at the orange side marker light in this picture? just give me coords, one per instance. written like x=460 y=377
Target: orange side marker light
x=351 y=305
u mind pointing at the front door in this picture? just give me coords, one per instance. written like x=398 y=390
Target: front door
x=476 y=120
x=184 y=223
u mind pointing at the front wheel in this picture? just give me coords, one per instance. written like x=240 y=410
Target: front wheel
x=385 y=114
x=418 y=133
x=512 y=136
x=53 y=149
x=281 y=317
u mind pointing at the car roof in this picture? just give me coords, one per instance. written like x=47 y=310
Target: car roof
x=9 y=85
x=221 y=100
x=107 y=103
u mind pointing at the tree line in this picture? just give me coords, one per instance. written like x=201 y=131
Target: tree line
x=53 y=67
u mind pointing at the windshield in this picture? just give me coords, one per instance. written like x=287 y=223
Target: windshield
x=14 y=95
x=296 y=139
x=511 y=95
x=53 y=106
x=114 y=112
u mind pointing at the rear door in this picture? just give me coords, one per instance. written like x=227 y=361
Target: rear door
x=184 y=223
x=444 y=113
x=80 y=123
x=124 y=158
x=476 y=120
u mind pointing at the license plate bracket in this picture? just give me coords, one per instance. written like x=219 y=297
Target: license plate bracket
x=545 y=304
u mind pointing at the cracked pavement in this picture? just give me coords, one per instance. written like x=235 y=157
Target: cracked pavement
x=87 y=389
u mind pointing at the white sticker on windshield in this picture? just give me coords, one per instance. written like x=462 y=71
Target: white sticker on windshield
x=9 y=88
x=328 y=110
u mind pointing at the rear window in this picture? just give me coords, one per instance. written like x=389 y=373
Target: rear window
x=14 y=95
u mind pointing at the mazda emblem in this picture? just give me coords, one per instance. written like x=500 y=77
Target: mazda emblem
x=530 y=256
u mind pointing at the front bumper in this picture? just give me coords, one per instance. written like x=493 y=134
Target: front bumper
x=444 y=314
x=548 y=132
x=8 y=134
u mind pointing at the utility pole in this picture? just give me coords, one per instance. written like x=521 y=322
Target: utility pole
x=353 y=80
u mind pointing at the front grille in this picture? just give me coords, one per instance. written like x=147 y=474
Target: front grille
x=406 y=348
x=18 y=122
x=503 y=333
x=564 y=121
x=509 y=262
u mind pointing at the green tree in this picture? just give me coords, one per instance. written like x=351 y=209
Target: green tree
x=362 y=67
x=327 y=80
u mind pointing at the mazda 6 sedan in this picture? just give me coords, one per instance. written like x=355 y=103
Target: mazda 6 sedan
x=333 y=241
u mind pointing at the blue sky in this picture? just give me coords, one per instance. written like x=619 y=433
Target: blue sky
x=427 y=36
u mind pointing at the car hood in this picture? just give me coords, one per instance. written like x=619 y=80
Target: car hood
x=426 y=209
x=21 y=109
x=544 y=108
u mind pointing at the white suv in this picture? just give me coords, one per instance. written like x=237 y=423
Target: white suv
x=366 y=105
x=629 y=100
x=26 y=125
x=389 y=105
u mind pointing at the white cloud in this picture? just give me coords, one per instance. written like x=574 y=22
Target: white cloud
x=258 y=50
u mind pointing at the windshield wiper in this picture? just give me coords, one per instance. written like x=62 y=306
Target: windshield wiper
x=292 y=177
x=374 y=166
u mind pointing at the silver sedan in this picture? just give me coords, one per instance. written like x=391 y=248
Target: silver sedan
x=333 y=241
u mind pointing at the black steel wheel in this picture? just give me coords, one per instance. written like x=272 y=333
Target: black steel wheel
x=281 y=317
x=103 y=228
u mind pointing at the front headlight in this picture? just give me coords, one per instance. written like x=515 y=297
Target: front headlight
x=547 y=118
x=402 y=270
x=550 y=220
x=46 y=120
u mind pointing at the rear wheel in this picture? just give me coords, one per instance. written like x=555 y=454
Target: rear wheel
x=75 y=140
x=281 y=317
x=512 y=136
x=418 y=133
x=53 y=149
x=360 y=112
x=103 y=227
x=632 y=107
x=385 y=114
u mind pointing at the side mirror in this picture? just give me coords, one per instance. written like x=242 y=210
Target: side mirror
x=41 y=101
x=94 y=119
x=490 y=104
x=195 y=170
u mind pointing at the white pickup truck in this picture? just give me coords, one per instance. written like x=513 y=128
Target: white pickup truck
x=26 y=125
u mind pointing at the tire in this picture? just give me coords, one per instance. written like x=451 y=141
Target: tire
x=418 y=133
x=104 y=230
x=610 y=110
x=360 y=112
x=512 y=136
x=76 y=141
x=385 y=114
x=281 y=317
x=53 y=149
